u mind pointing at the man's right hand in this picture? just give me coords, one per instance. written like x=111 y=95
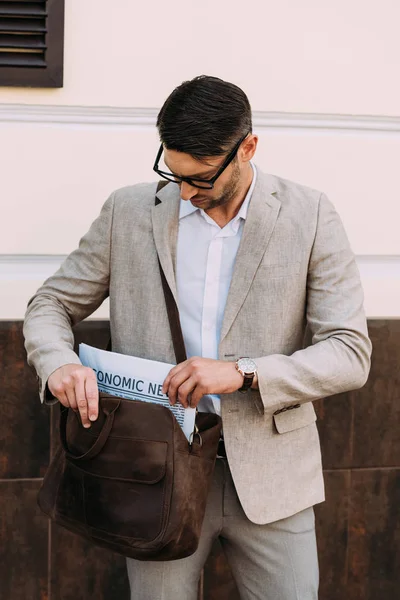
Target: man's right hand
x=75 y=387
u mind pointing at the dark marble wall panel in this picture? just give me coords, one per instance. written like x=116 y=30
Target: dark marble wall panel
x=94 y=333
x=374 y=535
x=377 y=405
x=334 y=422
x=23 y=543
x=357 y=526
x=81 y=571
x=24 y=423
x=331 y=522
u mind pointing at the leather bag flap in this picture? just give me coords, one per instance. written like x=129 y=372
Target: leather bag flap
x=139 y=461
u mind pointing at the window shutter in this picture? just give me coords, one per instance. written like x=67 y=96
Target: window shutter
x=31 y=42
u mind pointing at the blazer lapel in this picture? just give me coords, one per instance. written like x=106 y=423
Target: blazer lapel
x=165 y=230
x=260 y=222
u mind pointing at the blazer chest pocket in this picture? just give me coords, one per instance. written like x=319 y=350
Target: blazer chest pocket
x=290 y=420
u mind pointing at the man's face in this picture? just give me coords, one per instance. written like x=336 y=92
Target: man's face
x=225 y=188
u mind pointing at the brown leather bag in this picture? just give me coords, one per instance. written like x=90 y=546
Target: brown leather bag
x=132 y=482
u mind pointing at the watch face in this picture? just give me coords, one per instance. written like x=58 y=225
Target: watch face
x=247 y=365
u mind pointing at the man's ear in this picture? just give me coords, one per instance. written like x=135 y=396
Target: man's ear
x=249 y=147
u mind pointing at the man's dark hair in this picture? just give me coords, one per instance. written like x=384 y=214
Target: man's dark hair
x=204 y=117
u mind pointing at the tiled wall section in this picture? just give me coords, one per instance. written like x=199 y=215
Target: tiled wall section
x=358 y=525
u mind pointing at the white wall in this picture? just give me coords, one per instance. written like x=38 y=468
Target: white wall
x=322 y=78
x=320 y=56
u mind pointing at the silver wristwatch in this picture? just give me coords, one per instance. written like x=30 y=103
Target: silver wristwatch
x=247 y=368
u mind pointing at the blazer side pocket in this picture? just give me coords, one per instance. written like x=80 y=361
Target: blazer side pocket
x=290 y=420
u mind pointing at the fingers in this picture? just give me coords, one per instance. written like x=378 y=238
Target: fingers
x=183 y=382
x=196 y=396
x=172 y=374
x=63 y=390
x=75 y=387
x=184 y=392
x=92 y=396
x=80 y=395
x=175 y=383
x=62 y=398
x=69 y=390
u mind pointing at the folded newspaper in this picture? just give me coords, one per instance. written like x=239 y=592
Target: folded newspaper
x=135 y=379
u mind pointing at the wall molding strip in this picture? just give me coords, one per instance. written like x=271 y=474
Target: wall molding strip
x=146 y=117
x=24 y=267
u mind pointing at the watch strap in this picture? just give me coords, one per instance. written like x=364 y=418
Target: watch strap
x=247 y=381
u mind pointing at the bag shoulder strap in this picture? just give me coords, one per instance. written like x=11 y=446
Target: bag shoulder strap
x=172 y=308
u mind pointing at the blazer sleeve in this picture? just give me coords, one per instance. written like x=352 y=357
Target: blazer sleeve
x=338 y=359
x=74 y=292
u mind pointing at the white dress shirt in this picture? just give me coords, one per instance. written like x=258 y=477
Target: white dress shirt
x=206 y=256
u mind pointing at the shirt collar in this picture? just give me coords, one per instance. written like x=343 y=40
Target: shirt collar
x=245 y=204
x=186 y=207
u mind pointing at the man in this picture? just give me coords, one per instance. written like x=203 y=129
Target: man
x=261 y=268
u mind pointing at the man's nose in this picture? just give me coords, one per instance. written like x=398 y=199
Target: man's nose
x=187 y=191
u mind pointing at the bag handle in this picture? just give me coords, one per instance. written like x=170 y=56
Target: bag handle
x=172 y=309
x=100 y=440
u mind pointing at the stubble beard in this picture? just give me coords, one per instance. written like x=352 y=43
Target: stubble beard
x=228 y=193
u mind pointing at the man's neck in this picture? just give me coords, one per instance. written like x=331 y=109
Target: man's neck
x=225 y=213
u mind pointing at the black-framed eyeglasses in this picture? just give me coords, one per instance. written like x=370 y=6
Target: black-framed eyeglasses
x=205 y=184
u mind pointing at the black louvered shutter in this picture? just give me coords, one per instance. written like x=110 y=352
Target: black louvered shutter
x=31 y=42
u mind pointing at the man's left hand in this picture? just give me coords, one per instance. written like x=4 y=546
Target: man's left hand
x=189 y=381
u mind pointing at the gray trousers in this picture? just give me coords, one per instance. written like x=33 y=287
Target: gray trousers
x=277 y=561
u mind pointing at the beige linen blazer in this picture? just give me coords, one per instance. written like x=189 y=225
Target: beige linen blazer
x=295 y=305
